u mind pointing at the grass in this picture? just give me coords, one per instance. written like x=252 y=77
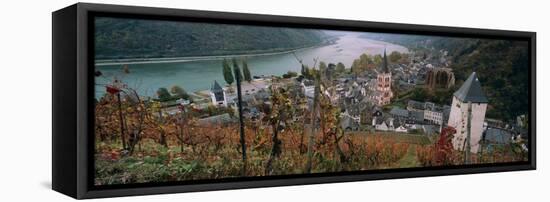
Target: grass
x=409 y=160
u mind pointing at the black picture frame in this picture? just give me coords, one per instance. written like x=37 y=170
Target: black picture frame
x=72 y=83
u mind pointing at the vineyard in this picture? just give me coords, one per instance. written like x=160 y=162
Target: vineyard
x=214 y=152
x=156 y=147
x=139 y=139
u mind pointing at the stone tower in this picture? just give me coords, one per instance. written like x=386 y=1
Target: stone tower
x=217 y=94
x=383 y=88
x=469 y=105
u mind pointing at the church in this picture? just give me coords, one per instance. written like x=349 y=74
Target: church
x=383 y=93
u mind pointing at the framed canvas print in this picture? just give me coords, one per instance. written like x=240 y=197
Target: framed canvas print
x=154 y=100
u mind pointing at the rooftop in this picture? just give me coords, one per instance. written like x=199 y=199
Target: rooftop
x=497 y=136
x=216 y=87
x=471 y=91
x=399 y=112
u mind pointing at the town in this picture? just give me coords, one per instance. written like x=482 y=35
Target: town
x=186 y=101
x=368 y=103
x=396 y=110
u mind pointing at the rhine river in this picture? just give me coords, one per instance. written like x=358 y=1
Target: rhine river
x=198 y=73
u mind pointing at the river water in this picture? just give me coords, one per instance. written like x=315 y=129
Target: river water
x=199 y=74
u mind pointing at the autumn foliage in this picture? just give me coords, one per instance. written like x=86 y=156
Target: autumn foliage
x=137 y=140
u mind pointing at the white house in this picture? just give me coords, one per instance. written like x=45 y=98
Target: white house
x=431 y=112
x=401 y=129
x=390 y=124
x=382 y=126
x=308 y=90
x=468 y=101
x=182 y=101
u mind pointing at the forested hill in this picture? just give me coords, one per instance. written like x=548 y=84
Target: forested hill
x=117 y=38
x=501 y=65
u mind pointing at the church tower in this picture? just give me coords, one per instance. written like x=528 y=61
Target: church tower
x=217 y=95
x=384 y=81
x=468 y=114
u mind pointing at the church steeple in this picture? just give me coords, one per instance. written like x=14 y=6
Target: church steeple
x=385 y=68
x=383 y=91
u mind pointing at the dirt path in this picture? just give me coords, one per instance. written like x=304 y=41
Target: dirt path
x=409 y=160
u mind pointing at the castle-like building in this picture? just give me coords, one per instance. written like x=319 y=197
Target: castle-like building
x=217 y=94
x=469 y=105
x=383 y=94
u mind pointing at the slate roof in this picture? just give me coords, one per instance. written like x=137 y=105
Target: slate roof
x=216 y=87
x=397 y=111
x=415 y=105
x=417 y=116
x=397 y=123
x=471 y=91
x=380 y=121
x=497 y=136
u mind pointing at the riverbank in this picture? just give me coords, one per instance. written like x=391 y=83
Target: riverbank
x=107 y=62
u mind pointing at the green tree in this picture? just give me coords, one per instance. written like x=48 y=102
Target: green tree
x=237 y=70
x=227 y=75
x=355 y=67
x=377 y=60
x=365 y=60
x=307 y=72
x=163 y=94
x=362 y=64
x=419 y=94
x=179 y=92
x=246 y=72
x=322 y=66
x=395 y=56
x=340 y=68
x=290 y=74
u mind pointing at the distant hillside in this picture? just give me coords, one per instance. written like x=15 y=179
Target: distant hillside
x=419 y=42
x=117 y=38
x=502 y=67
